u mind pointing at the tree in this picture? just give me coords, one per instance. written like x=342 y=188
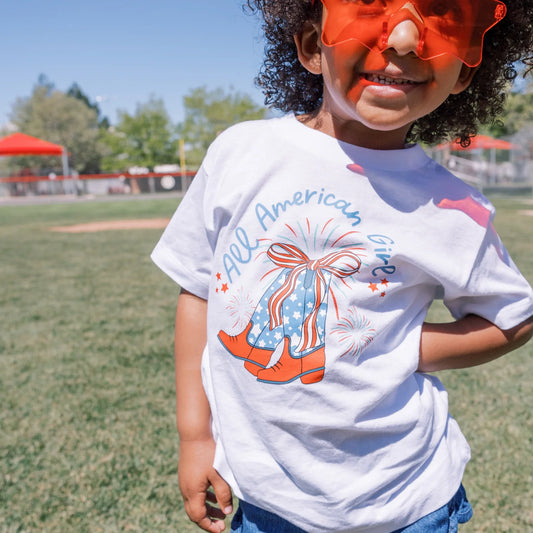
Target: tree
x=146 y=138
x=56 y=117
x=208 y=113
x=76 y=92
x=518 y=113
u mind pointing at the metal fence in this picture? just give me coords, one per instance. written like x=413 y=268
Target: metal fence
x=95 y=184
x=512 y=176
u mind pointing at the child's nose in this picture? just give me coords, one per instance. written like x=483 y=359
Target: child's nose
x=404 y=38
x=405 y=35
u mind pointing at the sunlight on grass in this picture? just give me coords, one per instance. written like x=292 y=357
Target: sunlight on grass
x=88 y=440
x=87 y=432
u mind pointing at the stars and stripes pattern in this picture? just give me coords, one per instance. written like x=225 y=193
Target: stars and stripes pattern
x=295 y=304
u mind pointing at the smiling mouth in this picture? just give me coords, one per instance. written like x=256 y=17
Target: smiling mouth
x=385 y=80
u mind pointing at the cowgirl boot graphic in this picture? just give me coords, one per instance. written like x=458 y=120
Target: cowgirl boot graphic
x=255 y=358
x=257 y=342
x=309 y=368
x=299 y=306
x=293 y=308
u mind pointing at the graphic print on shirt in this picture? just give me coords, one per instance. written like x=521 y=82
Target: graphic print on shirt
x=282 y=337
x=293 y=311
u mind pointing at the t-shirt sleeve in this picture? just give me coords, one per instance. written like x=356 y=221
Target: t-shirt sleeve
x=185 y=252
x=495 y=289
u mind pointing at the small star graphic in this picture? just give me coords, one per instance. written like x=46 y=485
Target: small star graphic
x=385 y=282
x=219 y=275
x=382 y=295
x=373 y=287
x=224 y=288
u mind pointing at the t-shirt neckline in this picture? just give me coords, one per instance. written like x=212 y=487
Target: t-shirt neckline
x=408 y=158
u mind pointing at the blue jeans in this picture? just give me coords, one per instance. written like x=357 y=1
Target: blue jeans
x=252 y=519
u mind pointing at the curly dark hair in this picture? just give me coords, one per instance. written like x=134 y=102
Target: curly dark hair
x=288 y=86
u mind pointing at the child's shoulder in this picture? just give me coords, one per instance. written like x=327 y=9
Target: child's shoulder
x=445 y=177
x=251 y=129
x=451 y=192
x=247 y=136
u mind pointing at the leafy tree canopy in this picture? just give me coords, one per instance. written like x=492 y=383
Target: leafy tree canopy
x=146 y=138
x=208 y=113
x=76 y=92
x=517 y=114
x=62 y=119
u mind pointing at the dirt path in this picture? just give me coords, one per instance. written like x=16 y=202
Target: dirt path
x=91 y=227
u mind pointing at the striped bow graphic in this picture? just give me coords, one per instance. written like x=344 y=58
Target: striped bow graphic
x=341 y=264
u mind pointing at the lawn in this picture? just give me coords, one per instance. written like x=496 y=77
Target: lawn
x=87 y=432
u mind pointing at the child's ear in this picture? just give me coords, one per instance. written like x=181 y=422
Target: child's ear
x=309 y=47
x=465 y=79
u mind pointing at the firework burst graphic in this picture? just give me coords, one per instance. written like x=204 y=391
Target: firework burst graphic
x=353 y=333
x=317 y=240
x=241 y=308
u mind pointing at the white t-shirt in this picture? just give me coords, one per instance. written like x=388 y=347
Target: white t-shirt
x=319 y=261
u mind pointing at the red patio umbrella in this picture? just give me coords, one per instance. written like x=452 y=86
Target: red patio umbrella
x=479 y=142
x=22 y=144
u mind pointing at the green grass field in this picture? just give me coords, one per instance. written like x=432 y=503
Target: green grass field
x=87 y=432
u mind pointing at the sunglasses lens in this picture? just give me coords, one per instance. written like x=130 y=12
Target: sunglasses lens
x=445 y=26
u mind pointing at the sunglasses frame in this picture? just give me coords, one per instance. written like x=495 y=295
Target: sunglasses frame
x=432 y=42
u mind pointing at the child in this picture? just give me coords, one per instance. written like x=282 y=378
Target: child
x=310 y=248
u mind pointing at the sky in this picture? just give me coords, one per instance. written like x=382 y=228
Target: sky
x=122 y=52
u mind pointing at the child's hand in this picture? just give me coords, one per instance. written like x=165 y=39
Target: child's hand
x=196 y=476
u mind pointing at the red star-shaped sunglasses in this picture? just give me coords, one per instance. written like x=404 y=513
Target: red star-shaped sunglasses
x=454 y=27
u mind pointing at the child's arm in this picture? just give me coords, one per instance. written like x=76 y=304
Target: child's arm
x=467 y=342
x=197 y=447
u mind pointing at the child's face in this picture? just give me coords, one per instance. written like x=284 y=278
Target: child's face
x=387 y=91
x=371 y=98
